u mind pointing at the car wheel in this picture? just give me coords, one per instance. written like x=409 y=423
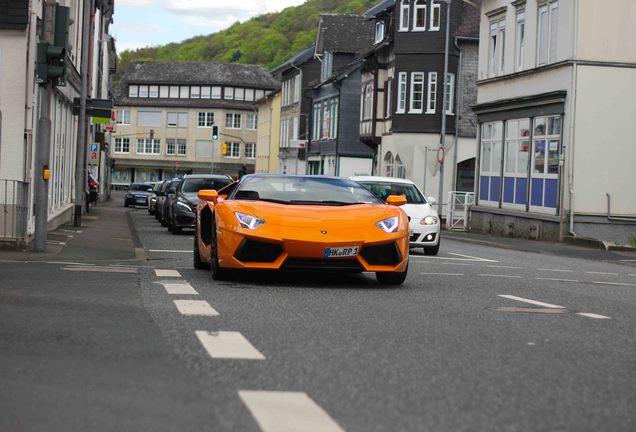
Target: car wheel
x=169 y=225
x=163 y=221
x=432 y=250
x=199 y=264
x=217 y=272
x=392 y=278
x=176 y=230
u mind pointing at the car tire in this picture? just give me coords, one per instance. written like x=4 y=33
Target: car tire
x=217 y=272
x=176 y=230
x=392 y=278
x=199 y=264
x=432 y=250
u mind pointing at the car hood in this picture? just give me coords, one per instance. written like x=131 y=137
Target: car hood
x=418 y=211
x=192 y=197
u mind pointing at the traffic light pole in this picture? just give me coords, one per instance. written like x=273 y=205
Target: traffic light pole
x=43 y=143
x=80 y=159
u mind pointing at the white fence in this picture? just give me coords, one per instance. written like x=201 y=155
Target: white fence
x=458 y=212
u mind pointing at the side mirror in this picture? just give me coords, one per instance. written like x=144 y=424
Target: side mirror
x=431 y=200
x=208 y=195
x=396 y=200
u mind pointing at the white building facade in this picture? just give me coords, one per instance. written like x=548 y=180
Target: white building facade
x=556 y=107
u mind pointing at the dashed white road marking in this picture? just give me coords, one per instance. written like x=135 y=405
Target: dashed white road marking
x=169 y=251
x=228 y=345
x=457 y=264
x=167 y=273
x=534 y=302
x=97 y=269
x=195 y=307
x=614 y=283
x=57 y=243
x=180 y=288
x=593 y=315
x=558 y=280
x=287 y=412
x=69 y=263
x=503 y=266
x=602 y=273
x=500 y=276
x=555 y=270
x=69 y=231
x=442 y=274
x=472 y=258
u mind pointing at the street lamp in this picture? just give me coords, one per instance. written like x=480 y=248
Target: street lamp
x=440 y=201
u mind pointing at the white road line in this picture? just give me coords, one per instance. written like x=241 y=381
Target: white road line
x=633 y=275
x=69 y=263
x=614 y=283
x=57 y=243
x=457 y=264
x=472 y=257
x=534 y=302
x=180 y=288
x=558 y=280
x=287 y=412
x=603 y=273
x=500 y=276
x=169 y=251
x=555 y=270
x=101 y=269
x=228 y=345
x=502 y=266
x=593 y=315
x=195 y=307
x=167 y=273
x=442 y=274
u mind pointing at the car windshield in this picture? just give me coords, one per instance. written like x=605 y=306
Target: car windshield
x=384 y=189
x=309 y=190
x=139 y=187
x=194 y=185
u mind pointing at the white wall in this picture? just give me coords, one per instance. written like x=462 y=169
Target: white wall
x=350 y=166
x=607 y=30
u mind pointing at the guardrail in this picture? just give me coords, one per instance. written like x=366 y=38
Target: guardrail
x=14 y=209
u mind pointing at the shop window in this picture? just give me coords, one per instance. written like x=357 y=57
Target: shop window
x=389 y=164
x=490 y=163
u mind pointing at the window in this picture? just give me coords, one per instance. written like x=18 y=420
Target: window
x=436 y=16
x=249 y=95
x=295 y=127
x=389 y=165
x=419 y=15
x=205 y=119
x=520 y=44
x=297 y=87
x=229 y=93
x=239 y=94
x=174 y=92
x=431 y=103
x=153 y=91
x=547 y=131
x=389 y=102
x=327 y=66
x=497 y=47
x=316 y=122
x=133 y=91
x=417 y=92
x=333 y=125
x=401 y=170
x=177 y=119
x=233 y=121
x=148 y=146
x=122 y=145
x=379 y=31
x=143 y=91
x=404 y=16
x=184 y=92
x=123 y=117
x=401 y=105
x=233 y=150
x=170 y=146
x=259 y=94
x=148 y=118
x=367 y=102
x=449 y=92
x=284 y=133
x=547 y=33
x=181 y=147
x=164 y=92
x=195 y=92
x=515 y=160
x=252 y=120
x=250 y=150
x=205 y=92
x=490 y=162
x=286 y=87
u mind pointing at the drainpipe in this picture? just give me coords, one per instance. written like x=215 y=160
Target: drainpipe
x=338 y=85
x=458 y=80
x=573 y=118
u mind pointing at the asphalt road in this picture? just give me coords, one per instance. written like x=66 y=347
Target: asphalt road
x=479 y=338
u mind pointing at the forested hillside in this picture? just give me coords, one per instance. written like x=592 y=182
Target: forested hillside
x=267 y=39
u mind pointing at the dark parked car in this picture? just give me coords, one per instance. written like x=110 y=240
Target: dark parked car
x=183 y=204
x=161 y=196
x=166 y=201
x=137 y=195
x=152 y=202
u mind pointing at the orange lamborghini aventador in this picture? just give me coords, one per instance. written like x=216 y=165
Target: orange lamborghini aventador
x=278 y=222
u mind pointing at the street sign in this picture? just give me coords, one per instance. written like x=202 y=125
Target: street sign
x=93 y=154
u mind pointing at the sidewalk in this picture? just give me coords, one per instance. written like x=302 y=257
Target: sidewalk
x=107 y=234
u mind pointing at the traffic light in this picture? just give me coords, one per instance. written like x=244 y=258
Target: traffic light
x=112 y=165
x=223 y=149
x=215 y=133
x=51 y=59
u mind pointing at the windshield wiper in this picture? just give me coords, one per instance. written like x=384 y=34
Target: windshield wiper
x=324 y=202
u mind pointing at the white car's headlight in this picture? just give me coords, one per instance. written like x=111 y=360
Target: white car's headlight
x=429 y=220
x=248 y=221
x=389 y=225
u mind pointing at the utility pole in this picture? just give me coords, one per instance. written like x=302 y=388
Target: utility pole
x=440 y=203
x=43 y=144
x=80 y=154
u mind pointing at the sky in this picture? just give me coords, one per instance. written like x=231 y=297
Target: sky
x=140 y=23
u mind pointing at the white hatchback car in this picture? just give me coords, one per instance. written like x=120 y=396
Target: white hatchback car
x=424 y=222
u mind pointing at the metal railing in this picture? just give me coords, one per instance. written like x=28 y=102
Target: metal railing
x=14 y=209
x=458 y=211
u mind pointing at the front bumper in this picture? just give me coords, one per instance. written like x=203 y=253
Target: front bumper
x=185 y=219
x=423 y=235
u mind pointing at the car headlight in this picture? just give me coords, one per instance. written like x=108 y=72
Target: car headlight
x=389 y=225
x=248 y=221
x=184 y=206
x=429 y=220
x=153 y=199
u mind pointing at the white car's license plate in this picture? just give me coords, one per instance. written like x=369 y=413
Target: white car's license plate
x=337 y=252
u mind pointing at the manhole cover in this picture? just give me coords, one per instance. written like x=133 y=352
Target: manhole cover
x=532 y=310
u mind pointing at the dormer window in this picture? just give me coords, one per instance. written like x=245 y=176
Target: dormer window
x=419 y=16
x=404 y=15
x=436 y=11
x=327 y=66
x=379 y=31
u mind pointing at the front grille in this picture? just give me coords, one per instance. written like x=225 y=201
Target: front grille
x=257 y=251
x=322 y=264
x=385 y=254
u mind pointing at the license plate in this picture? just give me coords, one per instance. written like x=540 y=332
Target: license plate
x=140 y=201
x=337 y=252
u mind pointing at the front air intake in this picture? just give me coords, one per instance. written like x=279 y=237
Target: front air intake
x=257 y=251
x=385 y=254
